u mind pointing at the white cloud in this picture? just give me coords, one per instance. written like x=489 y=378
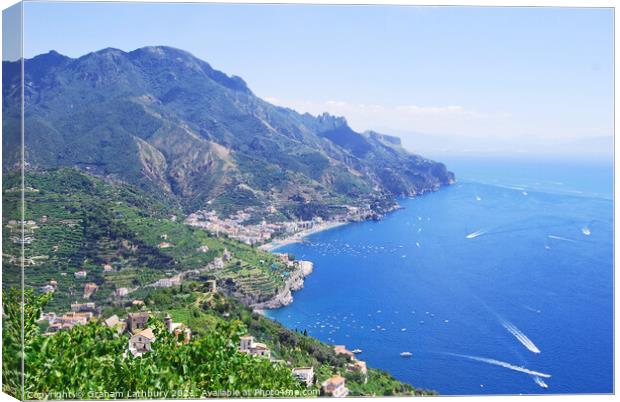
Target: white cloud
x=455 y=129
x=421 y=118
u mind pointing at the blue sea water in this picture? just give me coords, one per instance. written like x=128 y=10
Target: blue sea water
x=499 y=284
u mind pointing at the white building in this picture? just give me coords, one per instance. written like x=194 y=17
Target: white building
x=335 y=386
x=247 y=345
x=304 y=374
x=178 y=329
x=141 y=342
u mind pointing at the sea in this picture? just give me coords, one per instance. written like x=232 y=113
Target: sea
x=499 y=284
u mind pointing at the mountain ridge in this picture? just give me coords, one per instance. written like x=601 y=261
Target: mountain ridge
x=164 y=120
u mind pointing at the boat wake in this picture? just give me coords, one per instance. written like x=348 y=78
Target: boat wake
x=521 y=337
x=504 y=364
x=531 y=309
x=561 y=238
x=475 y=234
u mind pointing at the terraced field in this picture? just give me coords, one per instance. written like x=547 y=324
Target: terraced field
x=252 y=280
x=76 y=222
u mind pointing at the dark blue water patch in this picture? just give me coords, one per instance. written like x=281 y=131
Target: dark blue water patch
x=472 y=280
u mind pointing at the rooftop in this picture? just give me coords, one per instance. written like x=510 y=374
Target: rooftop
x=147 y=333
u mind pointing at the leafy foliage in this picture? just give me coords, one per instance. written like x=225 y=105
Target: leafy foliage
x=89 y=362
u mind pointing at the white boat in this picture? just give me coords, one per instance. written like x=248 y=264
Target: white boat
x=540 y=382
x=357 y=351
x=586 y=231
x=406 y=354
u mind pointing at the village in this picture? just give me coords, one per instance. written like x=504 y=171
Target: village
x=141 y=340
x=237 y=226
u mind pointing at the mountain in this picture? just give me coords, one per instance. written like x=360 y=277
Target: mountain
x=164 y=120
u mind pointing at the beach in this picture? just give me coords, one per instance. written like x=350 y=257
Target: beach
x=299 y=236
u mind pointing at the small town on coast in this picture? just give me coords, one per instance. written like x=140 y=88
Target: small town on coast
x=250 y=227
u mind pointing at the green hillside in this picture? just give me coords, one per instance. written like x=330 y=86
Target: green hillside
x=81 y=223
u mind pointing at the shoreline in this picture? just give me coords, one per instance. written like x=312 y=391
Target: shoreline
x=300 y=236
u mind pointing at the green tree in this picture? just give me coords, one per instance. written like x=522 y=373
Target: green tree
x=87 y=361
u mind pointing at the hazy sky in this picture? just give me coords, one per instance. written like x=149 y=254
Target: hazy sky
x=500 y=76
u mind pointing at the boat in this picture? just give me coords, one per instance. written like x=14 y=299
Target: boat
x=586 y=231
x=540 y=382
x=357 y=351
x=406 y=354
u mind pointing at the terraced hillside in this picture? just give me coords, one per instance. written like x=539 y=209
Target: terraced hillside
x=81 y=230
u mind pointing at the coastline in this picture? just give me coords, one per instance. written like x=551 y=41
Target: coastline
x=295 y=281
x=299 y=236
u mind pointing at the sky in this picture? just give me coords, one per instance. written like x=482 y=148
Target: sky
x=445 y=79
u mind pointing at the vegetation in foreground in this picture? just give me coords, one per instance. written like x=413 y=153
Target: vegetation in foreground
x=90 y=361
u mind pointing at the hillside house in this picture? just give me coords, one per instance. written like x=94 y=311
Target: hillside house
x=140 y=343
x=120 y=292
x=342 y=350
x=69 y=320
x=49 y=317
x=203 y=249
x=168 y=282
x=115 y=323
x=304 y=374
x=89 y=289
x=164 y=244
x=335 y=386
x=107 y=268
x=80 y=274
x=137 y=321
x=178 y=329
x=84 y=307
x=249 y=346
